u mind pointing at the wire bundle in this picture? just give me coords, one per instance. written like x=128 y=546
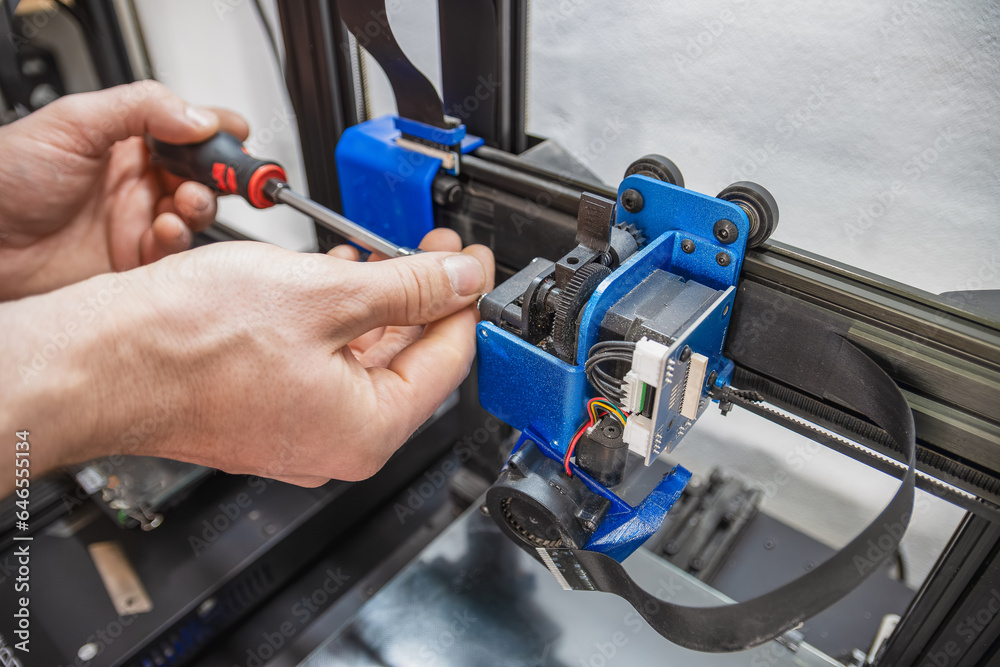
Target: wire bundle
x=605 y=383
x=593 y=405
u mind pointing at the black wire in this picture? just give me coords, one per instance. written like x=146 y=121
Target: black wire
x=602 y=381
x=271 y=37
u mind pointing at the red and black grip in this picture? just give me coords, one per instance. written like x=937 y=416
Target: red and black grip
x=222 y=164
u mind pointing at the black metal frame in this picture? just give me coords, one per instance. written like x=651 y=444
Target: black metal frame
x=945 y=358
x=321 y=87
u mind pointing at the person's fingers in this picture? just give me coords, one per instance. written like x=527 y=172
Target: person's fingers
x=365 y=341
x=485 y=257
x=308 y=481
x=164 y=204
x=195 y=204
x=99 y=119
x=409 y=290
x=421 y=377
x=379 y=350
x=167 y=235
x=392 y=341
x=348 y=252
x=441 y=240
x=233 y=123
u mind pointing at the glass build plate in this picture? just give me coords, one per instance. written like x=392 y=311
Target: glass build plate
x=472 y=598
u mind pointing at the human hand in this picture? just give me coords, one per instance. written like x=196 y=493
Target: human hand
x=239 y=356
x=79 y=196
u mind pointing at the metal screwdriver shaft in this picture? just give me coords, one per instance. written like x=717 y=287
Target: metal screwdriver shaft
x=279 y=191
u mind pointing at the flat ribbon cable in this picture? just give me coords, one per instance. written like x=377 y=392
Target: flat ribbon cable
x=416 y=98
x=866 y=389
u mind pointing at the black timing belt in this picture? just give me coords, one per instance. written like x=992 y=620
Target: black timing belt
x=859 y=384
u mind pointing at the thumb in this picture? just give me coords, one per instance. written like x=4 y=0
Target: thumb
x=99 y=119
x=413 y=290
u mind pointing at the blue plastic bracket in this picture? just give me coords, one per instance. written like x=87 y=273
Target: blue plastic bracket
x=385 y=187
x=625 y=528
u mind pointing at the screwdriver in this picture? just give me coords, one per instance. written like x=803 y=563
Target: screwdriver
x=223 y=164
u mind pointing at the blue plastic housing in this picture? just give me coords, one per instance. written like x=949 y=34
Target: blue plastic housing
x=533 y=390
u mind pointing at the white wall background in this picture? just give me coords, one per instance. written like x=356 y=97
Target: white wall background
x=872 y=123
x=216 y=54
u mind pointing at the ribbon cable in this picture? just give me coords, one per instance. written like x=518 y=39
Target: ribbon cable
x=864 y=387
x=416 y=97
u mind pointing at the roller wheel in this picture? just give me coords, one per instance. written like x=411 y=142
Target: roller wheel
x=760 y=207
x=658 y=167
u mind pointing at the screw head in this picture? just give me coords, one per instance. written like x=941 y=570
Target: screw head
x=723 y=259
x=712 y=377
x=725 y=231
x=685 y=353
x=687 y=245
x=88 y=652
x=632 y=200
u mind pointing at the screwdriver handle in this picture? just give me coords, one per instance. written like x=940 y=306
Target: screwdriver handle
x=221 y=163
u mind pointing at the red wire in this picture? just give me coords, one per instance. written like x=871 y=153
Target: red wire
x=572 y=446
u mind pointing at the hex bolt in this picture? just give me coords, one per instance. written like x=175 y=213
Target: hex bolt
x=687 y=245
x=725 y=231
x=723 y=259
x=685 y=353
x=632 y=200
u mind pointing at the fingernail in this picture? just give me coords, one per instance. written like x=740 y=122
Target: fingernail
x=202 y=202
x=465 y=273
x=202 y=117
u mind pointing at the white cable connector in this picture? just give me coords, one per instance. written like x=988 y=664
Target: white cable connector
x=633 y=392
x=638 y=434
x=647 y=361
